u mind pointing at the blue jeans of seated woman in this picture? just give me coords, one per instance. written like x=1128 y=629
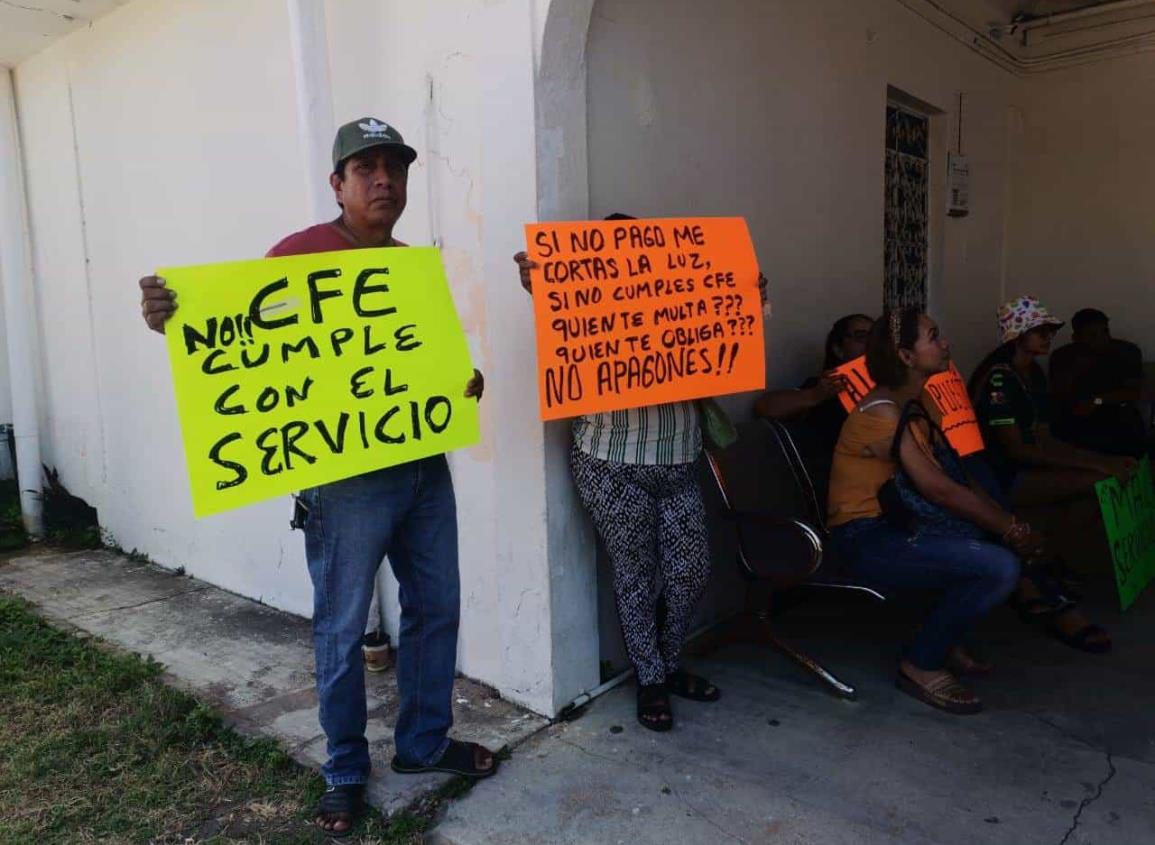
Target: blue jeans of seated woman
x=407 y=513
x=984 y=475
x=971 y=578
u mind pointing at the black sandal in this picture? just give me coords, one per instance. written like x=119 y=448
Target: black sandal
x=654 y=708
x=1032 y=610
x=341 y=803
x=693 y=687
x=1071 y=582
x=459 y=759
x=1081 y=639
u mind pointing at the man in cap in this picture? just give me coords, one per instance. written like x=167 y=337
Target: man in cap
x=406 y=512
x=1095 y=382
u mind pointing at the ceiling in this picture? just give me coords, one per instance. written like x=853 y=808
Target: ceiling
x=1038 y=35
x=1017 y=33
x=28 y=26
x=1008 y=10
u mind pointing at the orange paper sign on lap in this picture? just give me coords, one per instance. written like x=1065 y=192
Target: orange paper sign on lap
x=947 y=392
x=632 y=313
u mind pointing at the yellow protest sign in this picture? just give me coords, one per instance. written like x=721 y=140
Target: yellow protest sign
x=294 y=372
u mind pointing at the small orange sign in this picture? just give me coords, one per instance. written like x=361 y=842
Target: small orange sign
x=643 y=312
x=947 y=392
x=857 y=381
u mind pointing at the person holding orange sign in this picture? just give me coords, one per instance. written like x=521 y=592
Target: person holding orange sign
x=816 y=401
x=636 y=471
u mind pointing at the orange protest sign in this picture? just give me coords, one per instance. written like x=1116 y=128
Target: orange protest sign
x=857 y=382
x=948 y=394
x=948 y=391
x=642 y=312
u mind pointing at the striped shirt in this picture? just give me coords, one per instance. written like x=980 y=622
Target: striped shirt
x=658 y=435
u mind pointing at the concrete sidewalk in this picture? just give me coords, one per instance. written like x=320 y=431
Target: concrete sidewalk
x=1063 y=755
x=252 y=662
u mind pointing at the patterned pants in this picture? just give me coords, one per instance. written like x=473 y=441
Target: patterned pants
x=650 y=519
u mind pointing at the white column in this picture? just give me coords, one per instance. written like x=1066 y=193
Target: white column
x=19 y=311
x=314 y=102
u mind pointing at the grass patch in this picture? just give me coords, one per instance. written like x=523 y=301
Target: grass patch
x=95 y=748
x=12 y=534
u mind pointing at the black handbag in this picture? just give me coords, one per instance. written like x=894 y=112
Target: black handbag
x=903 y=505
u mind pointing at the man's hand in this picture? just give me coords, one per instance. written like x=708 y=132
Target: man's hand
x=476 y=386
x=524 y=265
x=157 y=303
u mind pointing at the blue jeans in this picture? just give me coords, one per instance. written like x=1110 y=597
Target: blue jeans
x=409 y=514
x=970 y=576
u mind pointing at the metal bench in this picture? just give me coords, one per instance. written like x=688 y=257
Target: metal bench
x=768 y=493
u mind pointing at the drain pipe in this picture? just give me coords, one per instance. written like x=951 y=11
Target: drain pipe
x=575 y=708
x=19 y=311
x=315 y=125
x=1074 y=14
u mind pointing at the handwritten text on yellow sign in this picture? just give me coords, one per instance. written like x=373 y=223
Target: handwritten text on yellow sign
x=294 y=372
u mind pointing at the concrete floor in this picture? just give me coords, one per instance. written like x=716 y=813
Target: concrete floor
x=254 y=663
x=1064 y=754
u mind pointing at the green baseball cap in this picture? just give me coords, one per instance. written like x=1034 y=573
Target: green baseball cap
x=368 y=132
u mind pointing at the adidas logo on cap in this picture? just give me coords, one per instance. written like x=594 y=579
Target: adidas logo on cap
x=375 y=129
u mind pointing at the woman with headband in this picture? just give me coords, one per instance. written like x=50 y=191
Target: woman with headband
x=961 y=545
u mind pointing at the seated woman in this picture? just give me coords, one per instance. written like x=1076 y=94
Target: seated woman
x=816 y=404
x=970 y=574
x=1010 y=396
x=816 y=400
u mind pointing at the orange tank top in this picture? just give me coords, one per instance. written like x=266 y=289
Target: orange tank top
x=857 y=474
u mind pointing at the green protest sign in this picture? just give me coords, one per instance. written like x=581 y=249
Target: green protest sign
x=1129 y=517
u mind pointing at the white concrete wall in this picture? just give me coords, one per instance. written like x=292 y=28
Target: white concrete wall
x=166 y=133
x=1083 y=196
x=5 y=386
x=775 y=111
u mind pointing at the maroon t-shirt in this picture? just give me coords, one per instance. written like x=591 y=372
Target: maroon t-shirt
x=324 y=237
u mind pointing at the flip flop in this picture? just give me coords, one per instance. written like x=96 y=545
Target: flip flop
x=653 y=705
x=693 y=687
x=345 y=801
x=459 y=759
x=1032 y=610
x=971 y=666
x=945 y=693
x=1080 y=639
